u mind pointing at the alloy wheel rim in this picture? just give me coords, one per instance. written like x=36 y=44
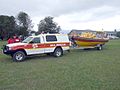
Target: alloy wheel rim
x=19 y=57
x=58 y=53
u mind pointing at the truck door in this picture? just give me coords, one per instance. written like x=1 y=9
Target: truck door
x=37 y=46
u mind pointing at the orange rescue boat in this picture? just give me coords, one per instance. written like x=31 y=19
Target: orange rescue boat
x=82 y=41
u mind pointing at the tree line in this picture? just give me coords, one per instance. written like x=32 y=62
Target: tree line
x=22 y=25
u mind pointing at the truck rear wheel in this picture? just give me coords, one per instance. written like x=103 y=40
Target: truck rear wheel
x=58 y=52
x=19 y=56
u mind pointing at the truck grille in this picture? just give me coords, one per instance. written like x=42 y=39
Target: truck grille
x=6 y=48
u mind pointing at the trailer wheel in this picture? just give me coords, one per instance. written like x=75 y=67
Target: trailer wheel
x=99 y=47
x=19 y=56
x=58 y=52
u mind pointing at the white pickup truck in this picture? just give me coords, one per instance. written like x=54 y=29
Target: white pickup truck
x=53 y=44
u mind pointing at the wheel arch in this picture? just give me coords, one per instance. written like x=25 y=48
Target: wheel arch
x=21 y=50
x=58 y=47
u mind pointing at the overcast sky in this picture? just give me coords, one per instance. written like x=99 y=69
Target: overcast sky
x=69 y=14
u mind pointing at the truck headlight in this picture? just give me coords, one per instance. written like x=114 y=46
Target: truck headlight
x=7 y=48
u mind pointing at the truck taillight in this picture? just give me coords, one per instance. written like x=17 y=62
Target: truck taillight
x=70 y=43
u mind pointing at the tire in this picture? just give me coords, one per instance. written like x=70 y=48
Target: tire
x=19 y=56
x=99 y=47
x=58 y=52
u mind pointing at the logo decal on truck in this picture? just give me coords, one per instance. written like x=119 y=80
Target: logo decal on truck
x=35 y=46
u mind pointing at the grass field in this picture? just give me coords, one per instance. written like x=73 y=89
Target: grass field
x=77 y=70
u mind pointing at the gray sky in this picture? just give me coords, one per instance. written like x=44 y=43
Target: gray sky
x=69 y=14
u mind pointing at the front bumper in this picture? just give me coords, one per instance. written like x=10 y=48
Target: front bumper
x=7 y=51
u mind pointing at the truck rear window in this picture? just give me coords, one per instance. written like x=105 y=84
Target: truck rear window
x=50 y=38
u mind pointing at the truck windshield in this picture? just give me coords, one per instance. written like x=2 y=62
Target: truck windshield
x=27 y=40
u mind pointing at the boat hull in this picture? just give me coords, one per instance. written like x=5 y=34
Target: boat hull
x=89 y=41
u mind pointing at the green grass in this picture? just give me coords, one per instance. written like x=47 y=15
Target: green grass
x=77 y=70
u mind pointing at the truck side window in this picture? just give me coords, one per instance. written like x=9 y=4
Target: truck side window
x=36 y=40
x=50 y=38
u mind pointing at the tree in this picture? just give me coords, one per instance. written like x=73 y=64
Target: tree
x=7 y=26
x=24 y=23
x=47 y=25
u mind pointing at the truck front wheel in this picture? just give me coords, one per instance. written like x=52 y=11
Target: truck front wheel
x=58 y=52
x=19 y=56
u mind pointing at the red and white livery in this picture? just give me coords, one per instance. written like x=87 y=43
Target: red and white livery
x=54 y=44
